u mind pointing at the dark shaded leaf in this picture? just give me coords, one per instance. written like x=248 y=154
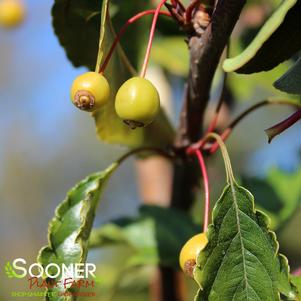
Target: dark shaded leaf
x=77 y=23
x=276 y=42
x=290 y=82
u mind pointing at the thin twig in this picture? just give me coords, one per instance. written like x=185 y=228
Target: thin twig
x=228 y=130
x=282 y=126
x=159 y=151
x=226 y=133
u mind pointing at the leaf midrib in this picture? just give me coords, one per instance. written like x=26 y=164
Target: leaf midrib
x=240 y=237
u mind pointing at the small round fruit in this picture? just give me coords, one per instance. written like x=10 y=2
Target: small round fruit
x=137 y=102
x=90 y=91
x=12 y=13
x=190 y=251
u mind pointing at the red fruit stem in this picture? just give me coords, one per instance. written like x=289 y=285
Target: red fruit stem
x=122 y=31
x=206 y=188
x=151 y=38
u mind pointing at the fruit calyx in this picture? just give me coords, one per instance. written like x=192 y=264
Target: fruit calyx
x=134 y=124
x=190 y=252
x=84 y=100
x=90 y=91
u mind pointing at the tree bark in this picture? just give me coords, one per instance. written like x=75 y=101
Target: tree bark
x=205 y=53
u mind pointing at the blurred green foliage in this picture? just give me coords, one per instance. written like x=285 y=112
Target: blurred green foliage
x=155 y=236
x=278 y=194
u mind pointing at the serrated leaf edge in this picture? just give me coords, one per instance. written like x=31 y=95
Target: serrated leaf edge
x=99 y=176
x=283 y=261
x=57 y=217
x=278 y=84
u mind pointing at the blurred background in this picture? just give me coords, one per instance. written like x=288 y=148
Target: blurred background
x=47 y=145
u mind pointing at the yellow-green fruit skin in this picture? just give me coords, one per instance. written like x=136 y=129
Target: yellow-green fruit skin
x=92 y=85
x=192 y=248
x=137 y=101
x=12 y=13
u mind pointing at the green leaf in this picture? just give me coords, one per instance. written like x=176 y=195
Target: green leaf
x=296 y=280
x=290 y=82
x=70 y=229
x=276 y=42
x=241 y=260
x=155 y=236
x=110 y=128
